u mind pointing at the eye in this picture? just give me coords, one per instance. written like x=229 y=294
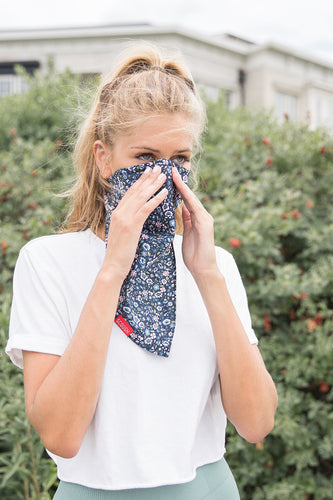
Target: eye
x=145 y=157
x=181 y=159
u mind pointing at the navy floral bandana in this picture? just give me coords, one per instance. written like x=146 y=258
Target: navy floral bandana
x=146 y=310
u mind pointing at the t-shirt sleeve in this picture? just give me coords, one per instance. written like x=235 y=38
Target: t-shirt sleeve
x=229 y=269
x=38 y=319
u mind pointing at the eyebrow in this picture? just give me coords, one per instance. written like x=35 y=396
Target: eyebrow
x=157 y=151
x=145 y=147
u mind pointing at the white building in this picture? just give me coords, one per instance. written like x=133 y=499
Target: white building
x=268 y=75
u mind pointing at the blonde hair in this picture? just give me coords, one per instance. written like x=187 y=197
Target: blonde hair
x=143 y=84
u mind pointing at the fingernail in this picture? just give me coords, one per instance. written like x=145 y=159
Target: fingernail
x=160 y=177
x=147 y=171
x=156 y=168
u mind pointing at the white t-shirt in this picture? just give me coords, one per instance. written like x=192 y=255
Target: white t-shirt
x=157 y=418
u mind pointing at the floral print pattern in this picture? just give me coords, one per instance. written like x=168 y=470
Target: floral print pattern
x=147 y=303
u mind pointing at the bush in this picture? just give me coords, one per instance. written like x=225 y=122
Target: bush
x=269 y=188
x=35 y=163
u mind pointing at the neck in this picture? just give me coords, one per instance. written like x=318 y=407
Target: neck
x=101 y=232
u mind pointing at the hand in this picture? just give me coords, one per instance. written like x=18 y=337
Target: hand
x=128 y=218
x=198 y=237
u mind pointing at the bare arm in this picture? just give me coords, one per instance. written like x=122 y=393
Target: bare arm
x=62 y=392
x=248 y=392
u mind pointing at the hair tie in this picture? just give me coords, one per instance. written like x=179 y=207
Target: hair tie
x=110 y=86
x=173 y=72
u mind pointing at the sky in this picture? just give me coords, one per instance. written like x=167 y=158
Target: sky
x=303 y=25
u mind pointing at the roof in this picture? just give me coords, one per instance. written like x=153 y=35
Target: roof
x=229 y=42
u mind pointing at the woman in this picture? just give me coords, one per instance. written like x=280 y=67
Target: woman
x=142 y=419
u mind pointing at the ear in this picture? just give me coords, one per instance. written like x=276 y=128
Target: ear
x=102 y=157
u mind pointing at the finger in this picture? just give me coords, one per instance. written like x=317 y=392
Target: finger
x=153 y=203
x=147 y=177
x=191 y=201
x=144 y=188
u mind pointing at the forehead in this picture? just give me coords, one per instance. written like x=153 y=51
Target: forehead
x=168 y=127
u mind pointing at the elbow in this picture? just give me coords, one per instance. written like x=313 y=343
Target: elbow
x=257 y=432
x=62 y=447
x=63 y=452
x=263 y=422
x=256 y=435
x=60 y=442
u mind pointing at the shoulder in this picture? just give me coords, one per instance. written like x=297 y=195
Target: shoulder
x=65 y=251
x=58 y=244
x=57 y=241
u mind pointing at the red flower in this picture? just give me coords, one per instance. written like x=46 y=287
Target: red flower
x=267 y=322
x=235 y=242
x=296 y=213
x=266 y=141
x=34 y=173
x=285 y=215
x=33 y=205
x=318 y=319
x=292 y=314
x=269 y=161
x=12 y=131
x=58 y=143
x=323 y=386
x=323 y=150
x=4 y=247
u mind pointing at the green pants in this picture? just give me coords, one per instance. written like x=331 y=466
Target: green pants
x=212 y=482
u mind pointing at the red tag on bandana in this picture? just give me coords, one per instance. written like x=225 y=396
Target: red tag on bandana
x=123 y=325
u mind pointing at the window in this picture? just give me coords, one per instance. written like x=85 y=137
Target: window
x=12 y=84
x=229 y=98
x=286 y=106
x=324 y=111
x=5 y=86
